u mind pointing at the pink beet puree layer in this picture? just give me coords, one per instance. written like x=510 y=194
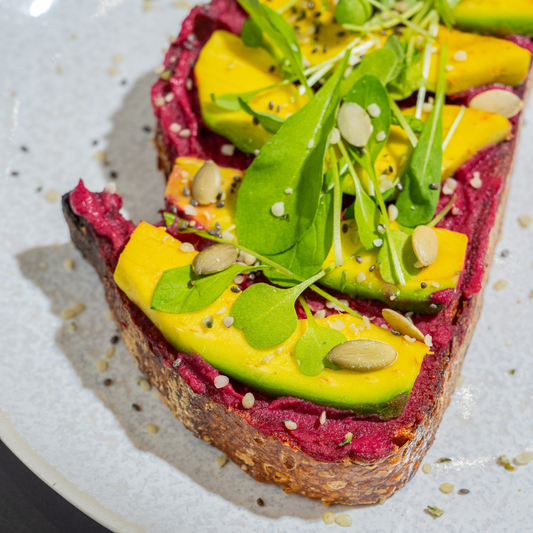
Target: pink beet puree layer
x=372 y=439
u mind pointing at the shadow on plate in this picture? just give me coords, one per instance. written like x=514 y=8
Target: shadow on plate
x=88 y=337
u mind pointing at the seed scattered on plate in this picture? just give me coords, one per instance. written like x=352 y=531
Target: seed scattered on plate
x=426 y=468
x=446 y=488
x=463 y=491
x=500 y=285
x=524 y=220
x=73 y=311
x=144 y=383
x=328 y=518
x=222 y=461
x=68 y=264
x=523 y=458
x=343 y=520
x=101 y=365
x=108 y=382
x=110 y=353
x=443 y=460
x=136 y=407
x=435 y=512
x=152 y=429
x=393 y=212
x=260 y=502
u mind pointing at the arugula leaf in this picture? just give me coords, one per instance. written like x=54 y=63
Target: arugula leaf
x=393 y=43
x=307 y=256
x=312 y=347
x=230 y=102
x=366 y=212
x=266 y=314
x=416 y=125
x=410 y=80
x=426 y=163
x=292 y=158
x=176 y=294
x=402 y=243
x=337 y=200
x=281 y=34
x=271 y=123
x=445 y=12
x=381 y=63
x=251 y=34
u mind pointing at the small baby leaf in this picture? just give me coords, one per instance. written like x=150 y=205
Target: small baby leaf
x=404 y=246
x=266 y=314
x=272 y=123
x=180 y=290
x=312 y=347
x=251 y=34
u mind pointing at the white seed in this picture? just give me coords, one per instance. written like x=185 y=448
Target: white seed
x=363 y=355
x=354 y=124
x=190 y=210
x=321 y=313
x=425 y=244
x=500 y=284
x=399 y=323
x=69 y=264
x=505 y=103
x=216 y=258
x=288 y=190
x=412 y=340
x=449 y=186
x=110 y=353
x=381 y=136
x=322 y=418
x=435 y=284
x=144 y=384
x=111 y=188
x=449 y=67
x=523 y=458
x=221 y=311
x=206 y=183
x=447 y=488
x=221 y=381
x=185 y=133
x=343 y=520
x=152 y=429
x=426 y=468
x=169 y=97
x=361 y=276
x=335 y=136
x=73 y=311
x=278 y=209
x=524 y=220
x=377 y=242
x=476 y=181
x=329 y=518
x=338 y=325
x=428 y=340
x=460 y=55
x=248 y=400
x=228 y=321
x=175 y=127
x=310 y=144
x=426 y=106
x=249 y=259
x=289 y=424
x=238 y=279
x=366 y=322
x=460 y=381
x=187 y=247
x=227 y=149
x=188 y=84
x=222 y=461
x=374 y=110
x=393 y=212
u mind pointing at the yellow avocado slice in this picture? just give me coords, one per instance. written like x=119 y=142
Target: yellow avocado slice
x=226 y=66
x=151 y=251
x=476 y=130
x=496 y=16
x=488 y=60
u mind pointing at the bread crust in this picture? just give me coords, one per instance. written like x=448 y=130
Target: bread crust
x=266 y=458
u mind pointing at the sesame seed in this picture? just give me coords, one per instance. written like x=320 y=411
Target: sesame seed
x=208 y=322
x=227 y=149
x=248 y=400
x=278 y=209
x=289 y=424
x=137 y=407
x=377 y=242
x=186 y=191
x=175 y=127
x=399 y=186
x=434 y=186
x=500 y=284
x=288 y=190
x=310 y=144
x=433 y=306
x=463 y=491
x=221 y=381
x=372 y=268
x=221 y=203
x=101 y=365
x=228 y=321
x=73 y=311
x=194 y=202
x=110 y=353
x=449 y=67
x=423 y=285
x=426 y=468
x=222 y=461
x=271 y=105
x=187 y=247
x=392 y=212
x=188 y=84
x=152 y=429
x=358 y=258
x=185 y=133
x=460 y=55
x=169 y=97
x=322 y=418
x=361 y=276
x=235 y=289
x=476 y=182
x=524 y=220
x=374 y=110
x=108 y=382
x=381 y=136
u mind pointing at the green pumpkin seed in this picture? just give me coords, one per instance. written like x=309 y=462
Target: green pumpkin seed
x=214 y=259
x=206 y=183
x=399 y=323
x=363 y=355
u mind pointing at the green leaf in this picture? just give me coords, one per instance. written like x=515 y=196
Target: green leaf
x=445 y=13
x=352 y=12
x=176 y=294
x=271 y=123
x=365 y=92
x=409 y=81
x=251 y=34
x=426 y=163
x=404 y=245
x=281 y=35
x=230 y=102
x=381 y=63
x=393 y=43
x=293 y=158
x=417 y=125
x=307 y=256
x=312 y=347
x=266 y=314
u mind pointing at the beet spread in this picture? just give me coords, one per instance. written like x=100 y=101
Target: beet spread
x=474 y=216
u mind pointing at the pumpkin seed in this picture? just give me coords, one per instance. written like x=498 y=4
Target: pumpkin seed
x=354 y=124
x=425 y=245
x=206 y=183
x=363 y=355
x=399 y=323
x=505 y=103
x=446 y=488
x=214 y=259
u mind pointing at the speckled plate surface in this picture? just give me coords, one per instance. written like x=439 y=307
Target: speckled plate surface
x=75 y=88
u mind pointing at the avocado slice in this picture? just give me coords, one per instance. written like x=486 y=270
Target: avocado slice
x=476 y=130
x=150 y=251
x=226 y=66
x=488 y=60
x=499 y=17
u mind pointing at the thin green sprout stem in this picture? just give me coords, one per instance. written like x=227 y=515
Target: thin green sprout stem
x=453 y=127
x=357 y=183
x=421 y=97
x=403 y=122
x=401 y=18
x=443 y=212
x=288 y=5
x=337 y=193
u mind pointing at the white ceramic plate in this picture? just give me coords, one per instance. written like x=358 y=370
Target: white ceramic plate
x=63 y=63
